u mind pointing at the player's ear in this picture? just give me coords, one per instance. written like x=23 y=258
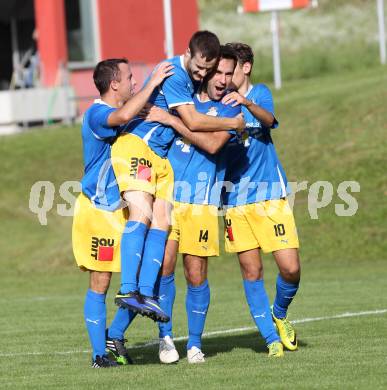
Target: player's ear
x=114 y=85
x=246 y=68
x=188 y=52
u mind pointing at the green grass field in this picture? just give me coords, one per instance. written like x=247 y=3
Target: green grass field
x=331 y=129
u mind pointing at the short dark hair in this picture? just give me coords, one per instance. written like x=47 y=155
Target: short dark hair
x=228 y=53
x=243 y=52
x=206 y=43
x=106 y=71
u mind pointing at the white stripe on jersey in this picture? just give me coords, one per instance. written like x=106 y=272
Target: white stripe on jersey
x=100 y=191
x=96 y=136
x=206 y=197
x=148 y=135
x=283 y=188
x=179 y=104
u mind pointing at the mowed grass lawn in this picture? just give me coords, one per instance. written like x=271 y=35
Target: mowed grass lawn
x=331 y=129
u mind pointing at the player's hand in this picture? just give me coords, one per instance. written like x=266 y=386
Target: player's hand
x=160 y=73
x=234 y=98
x=151 y=113
x=241 y=125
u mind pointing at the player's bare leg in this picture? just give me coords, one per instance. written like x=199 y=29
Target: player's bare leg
x=161 y=216
x=288 y=262
x=287 y=285
x=140 y=206
x=99 y=282
x=170 y=258
x=195 y=269
x=250 y=263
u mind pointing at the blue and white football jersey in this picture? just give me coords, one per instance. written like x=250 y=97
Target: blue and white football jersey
x=195 y=171
x=252 y=163
x=174 y=91
x=99 y=182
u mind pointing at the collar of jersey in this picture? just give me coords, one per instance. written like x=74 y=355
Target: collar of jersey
x=200 y=100
x=182 y=62
x=248 y=90
x=100 y=101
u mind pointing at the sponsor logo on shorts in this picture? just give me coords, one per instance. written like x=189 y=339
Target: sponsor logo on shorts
x=140 y=168
x=102 y=249
x=229 y=233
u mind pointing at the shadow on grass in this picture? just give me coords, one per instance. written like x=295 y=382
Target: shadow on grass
x=211 y=347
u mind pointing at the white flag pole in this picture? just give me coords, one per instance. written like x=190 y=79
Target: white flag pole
x=168 y=28
x=276 y=50
x=382 y=36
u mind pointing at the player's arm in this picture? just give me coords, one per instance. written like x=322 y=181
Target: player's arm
x=133 y=106
x=196 y=121
x=210 y=142
x=264 y=116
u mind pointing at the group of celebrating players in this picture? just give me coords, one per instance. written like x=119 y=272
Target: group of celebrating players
x=161 y=166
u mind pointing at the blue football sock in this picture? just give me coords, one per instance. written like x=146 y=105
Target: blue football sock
x=285 y=294
x=132 y=245
x=258 y=302
x=196 y=304
x=95 y=320
x=165 y=289
x=152 y=260
x=120 y=323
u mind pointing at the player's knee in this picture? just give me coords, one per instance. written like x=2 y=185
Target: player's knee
x=195 y=278
x=140 y=206
x=100 y=281
x=250 y=272
x=291 y=273
x=161 y=218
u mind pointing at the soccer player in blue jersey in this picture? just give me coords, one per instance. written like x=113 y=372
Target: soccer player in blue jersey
x=258 y=215
x=99 y=218
x=145 y=177
x=194 y=159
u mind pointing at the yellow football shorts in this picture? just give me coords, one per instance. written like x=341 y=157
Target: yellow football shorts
x=195 y=228
x=138 y=168
x=268 y=225
x=96 y=236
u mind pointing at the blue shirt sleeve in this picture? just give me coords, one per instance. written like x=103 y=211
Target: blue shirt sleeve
x=264 y=98
x=97 y=121
x=177 y=89
x=227 y=111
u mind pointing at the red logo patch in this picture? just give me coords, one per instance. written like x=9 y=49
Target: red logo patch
x=144 y=172
x=105 y=253
x=230 y=235
x=102 y=249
